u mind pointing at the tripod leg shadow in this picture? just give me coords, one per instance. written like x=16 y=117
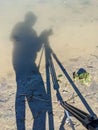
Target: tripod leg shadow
x=63 y=123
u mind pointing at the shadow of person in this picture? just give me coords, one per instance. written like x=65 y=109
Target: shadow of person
x=30 y=84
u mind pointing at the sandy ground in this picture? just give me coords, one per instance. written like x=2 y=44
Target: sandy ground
x=75 y=42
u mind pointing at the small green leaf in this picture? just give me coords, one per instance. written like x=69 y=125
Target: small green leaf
x=60 y=75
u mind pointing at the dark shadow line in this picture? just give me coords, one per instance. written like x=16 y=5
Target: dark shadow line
x=50 y=110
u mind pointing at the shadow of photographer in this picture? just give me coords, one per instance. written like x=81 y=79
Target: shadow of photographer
x=26 y=45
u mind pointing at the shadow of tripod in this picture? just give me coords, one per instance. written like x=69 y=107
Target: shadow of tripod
x=50 y=112
x=50 y=71
x=88 y=120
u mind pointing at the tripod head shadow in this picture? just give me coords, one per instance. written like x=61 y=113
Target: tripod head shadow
x=45 y=35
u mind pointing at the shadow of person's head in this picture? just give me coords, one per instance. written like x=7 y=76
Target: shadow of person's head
x=30 y=19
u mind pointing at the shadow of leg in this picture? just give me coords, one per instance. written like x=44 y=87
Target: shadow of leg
x=40 y=121
x=20 y=112
x=38 y=101
x=38 y=109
